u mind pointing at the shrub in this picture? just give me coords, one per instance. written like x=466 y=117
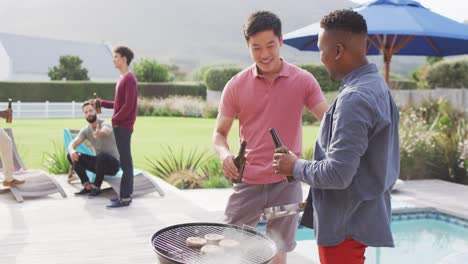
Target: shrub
x=56 y=161
x=180 y=169
x=214 y=176
x=210 y=110
x=403 y=85
x=307 y=117
x=432 y=142
x=217 y=77
x=448 y=74
x=320 y=73
x=416 y=145
x=148 y=70
x=172 y=106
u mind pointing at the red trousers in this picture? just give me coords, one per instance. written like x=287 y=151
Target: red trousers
x=347 y=252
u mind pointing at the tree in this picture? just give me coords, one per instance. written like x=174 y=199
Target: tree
x=69 y=68
x=148 y=70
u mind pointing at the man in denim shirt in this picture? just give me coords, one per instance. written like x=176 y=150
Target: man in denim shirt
x=356 y=160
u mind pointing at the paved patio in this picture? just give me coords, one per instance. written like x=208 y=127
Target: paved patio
x=81 y=230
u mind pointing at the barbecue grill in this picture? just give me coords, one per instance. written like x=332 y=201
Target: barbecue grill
x=170 y=245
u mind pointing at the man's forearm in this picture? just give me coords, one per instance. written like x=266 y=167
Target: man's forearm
x=221 y=146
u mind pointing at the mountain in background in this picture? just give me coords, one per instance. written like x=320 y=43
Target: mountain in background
x=188 y=33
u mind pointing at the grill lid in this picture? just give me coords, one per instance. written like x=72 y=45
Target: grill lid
x=254 y=248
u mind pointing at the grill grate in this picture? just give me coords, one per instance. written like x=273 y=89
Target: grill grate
x=254 y=248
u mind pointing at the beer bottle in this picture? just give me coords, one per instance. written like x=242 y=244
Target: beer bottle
x=97 y=104
x=240 y=161
x=280 y=148
x=9 y=117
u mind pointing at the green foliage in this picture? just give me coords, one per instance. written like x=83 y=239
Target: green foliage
x=148 y=70
x=320 y=73
x=172 y=106
x=164 y=90
x=80 y=91
x=433 y=60
x=56 y=162
x=69 y=68
x=214 y=174
x=308 y=153
x=210 y=110
x=448 y=74
x=175 y=74
x=180 y=169
x=433 y=143
x=403 y=85
x=217 y=77
x=307 y=117
x=419 y=74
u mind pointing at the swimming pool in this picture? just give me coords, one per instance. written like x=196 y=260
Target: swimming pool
x=420 y=237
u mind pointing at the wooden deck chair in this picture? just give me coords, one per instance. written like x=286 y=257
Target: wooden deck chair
x=38 y=183
x=143 y=182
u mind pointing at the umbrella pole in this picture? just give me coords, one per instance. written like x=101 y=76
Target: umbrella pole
x=387 y=72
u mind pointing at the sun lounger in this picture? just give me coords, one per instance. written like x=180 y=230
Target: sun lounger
x=38 y=183
x=143 y=182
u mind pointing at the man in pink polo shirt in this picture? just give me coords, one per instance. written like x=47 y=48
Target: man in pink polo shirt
x=270 y=94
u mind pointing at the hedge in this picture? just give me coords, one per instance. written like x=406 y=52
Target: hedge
x=320 y=73
x=67 y=91
x=217 y=77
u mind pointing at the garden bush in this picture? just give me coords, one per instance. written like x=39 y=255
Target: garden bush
x=448 y=74
x=433 y=143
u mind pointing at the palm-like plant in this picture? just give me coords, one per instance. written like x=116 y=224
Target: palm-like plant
x=179 y=168
x=56 y=161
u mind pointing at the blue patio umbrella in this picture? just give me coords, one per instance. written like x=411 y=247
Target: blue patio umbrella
x=397 y=27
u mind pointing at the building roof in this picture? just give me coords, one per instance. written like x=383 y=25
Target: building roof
x=35 y=55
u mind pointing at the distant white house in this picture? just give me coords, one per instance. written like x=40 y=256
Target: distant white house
x=26 y=58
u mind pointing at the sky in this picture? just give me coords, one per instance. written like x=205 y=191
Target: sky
x=454 y=9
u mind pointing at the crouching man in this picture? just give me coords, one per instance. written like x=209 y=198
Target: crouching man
x=106 y=162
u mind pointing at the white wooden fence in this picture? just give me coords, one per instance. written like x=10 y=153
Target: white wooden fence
x=50 y=110
x=457 y=97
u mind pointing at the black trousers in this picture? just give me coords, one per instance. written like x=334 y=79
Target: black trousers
x=123 y=137
x=102 y=164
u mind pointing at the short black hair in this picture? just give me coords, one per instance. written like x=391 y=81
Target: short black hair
x=262 y=21
x=86 y=103
x=125 y=52
x=345 y=20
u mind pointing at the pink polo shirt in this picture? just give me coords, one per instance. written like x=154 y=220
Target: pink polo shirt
x=260 y=105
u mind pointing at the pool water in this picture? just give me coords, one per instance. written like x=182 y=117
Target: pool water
x=423 y=241
x=419 y=238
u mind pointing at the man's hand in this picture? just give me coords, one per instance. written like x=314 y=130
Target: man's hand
x=75 y=156
x=228 y=166
x=93 y=101
x=283 y=164
x=97 y=133
x=5 y=113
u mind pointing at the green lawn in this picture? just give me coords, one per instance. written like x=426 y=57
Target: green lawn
x=36 y=136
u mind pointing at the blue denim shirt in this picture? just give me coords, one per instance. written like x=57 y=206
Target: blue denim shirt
x=356 y=163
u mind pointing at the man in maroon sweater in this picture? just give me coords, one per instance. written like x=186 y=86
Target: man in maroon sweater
x=125 y=111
